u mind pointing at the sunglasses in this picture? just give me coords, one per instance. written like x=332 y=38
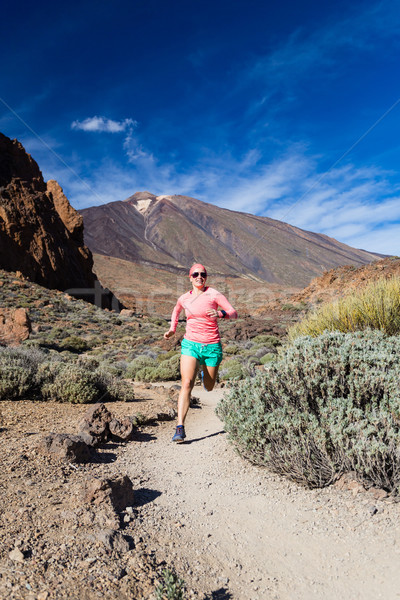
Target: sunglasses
x=202 y=274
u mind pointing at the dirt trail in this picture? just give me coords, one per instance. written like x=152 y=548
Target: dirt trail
x=233 y=530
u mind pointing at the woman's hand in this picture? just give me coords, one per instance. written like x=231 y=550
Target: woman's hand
x=213 y=314
x=168 y=334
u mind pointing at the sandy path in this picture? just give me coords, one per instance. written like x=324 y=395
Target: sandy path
x=235 y=531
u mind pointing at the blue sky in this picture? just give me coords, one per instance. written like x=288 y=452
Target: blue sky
x=285 y=109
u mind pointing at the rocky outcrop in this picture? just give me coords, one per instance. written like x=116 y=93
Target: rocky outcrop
x=344 y=280
x=41 y=235
x=15 y=325
x=72 y=220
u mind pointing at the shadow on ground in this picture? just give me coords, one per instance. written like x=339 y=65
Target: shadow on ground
x=221 y=594
x=203 y=438
x=145 y=495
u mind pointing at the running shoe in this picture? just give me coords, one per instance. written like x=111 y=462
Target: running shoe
x=179 y=434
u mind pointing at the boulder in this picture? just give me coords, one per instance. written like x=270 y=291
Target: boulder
x=126 y=312
x=66 y=446
x=94 y=428
x=121 y=431
x=116 y=492
x=15 y=325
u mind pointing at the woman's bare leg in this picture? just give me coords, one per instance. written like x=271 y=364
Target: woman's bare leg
x=189 y=367
x=210 y=375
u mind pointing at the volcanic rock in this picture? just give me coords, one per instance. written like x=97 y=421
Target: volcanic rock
x=94 y=428
x=15 y=326
x=121 y=430
x=65 y=446
x=41 y=235
x=116 y=492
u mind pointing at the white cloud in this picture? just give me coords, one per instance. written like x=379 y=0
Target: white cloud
x=136 y=153
x=103 y=125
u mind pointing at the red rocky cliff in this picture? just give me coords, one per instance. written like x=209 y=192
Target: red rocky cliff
x=41 y=235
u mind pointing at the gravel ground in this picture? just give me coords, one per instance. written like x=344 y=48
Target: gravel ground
x=229 y=529
x=56 y=544
x=233 y=530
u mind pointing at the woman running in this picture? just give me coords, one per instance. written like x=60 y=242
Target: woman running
x=201 y=345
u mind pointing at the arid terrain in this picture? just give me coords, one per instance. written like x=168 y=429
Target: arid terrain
x=229 y=529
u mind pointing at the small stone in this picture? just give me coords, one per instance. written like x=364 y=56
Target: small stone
x=43 y=595
x=16 y=555
x=378 y=493
x=372 y=510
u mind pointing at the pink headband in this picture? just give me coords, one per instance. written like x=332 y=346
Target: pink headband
x=197 y=267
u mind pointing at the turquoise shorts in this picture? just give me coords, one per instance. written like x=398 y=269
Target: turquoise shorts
x=206 y=354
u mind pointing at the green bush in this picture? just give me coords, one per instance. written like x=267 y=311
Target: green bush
x=145 y=374
x=73 y=343
x=167 y=355
x=167 y=370
x=266 y=340
x=67 y=382
x=112 y=389
x=171 y=587
x=375 y=307
x=140 y=363
x=18 y=369
x=232 y=369
x=327 y=405
x=231 y=349
x=267 y=358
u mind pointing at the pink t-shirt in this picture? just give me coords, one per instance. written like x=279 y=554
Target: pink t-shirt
x=200 y=327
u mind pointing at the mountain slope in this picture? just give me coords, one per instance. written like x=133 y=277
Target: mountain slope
x=172 y=232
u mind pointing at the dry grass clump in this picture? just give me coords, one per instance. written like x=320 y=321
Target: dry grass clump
x=326 y=406
x=375 y=307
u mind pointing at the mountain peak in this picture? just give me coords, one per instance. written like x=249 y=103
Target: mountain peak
x=173 y=231
x=142 y=201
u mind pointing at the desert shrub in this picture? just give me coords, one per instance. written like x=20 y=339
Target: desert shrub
x=167 y=355
x=48 y=370
x=267 y=358
x=88 y=362
x=116 y=368
x=290 y=307
x=18 y=371
x=261 y=351
x=139 y=363
x=167 y=370
x=158 y=321
x=267 y=340
x=112 y=388
x=232 y=369
x=171 y=587
x=327 y=405
x=73 y=343
x=375 y=307
x=231 y=349
x=68 y=382
x=145 y=374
